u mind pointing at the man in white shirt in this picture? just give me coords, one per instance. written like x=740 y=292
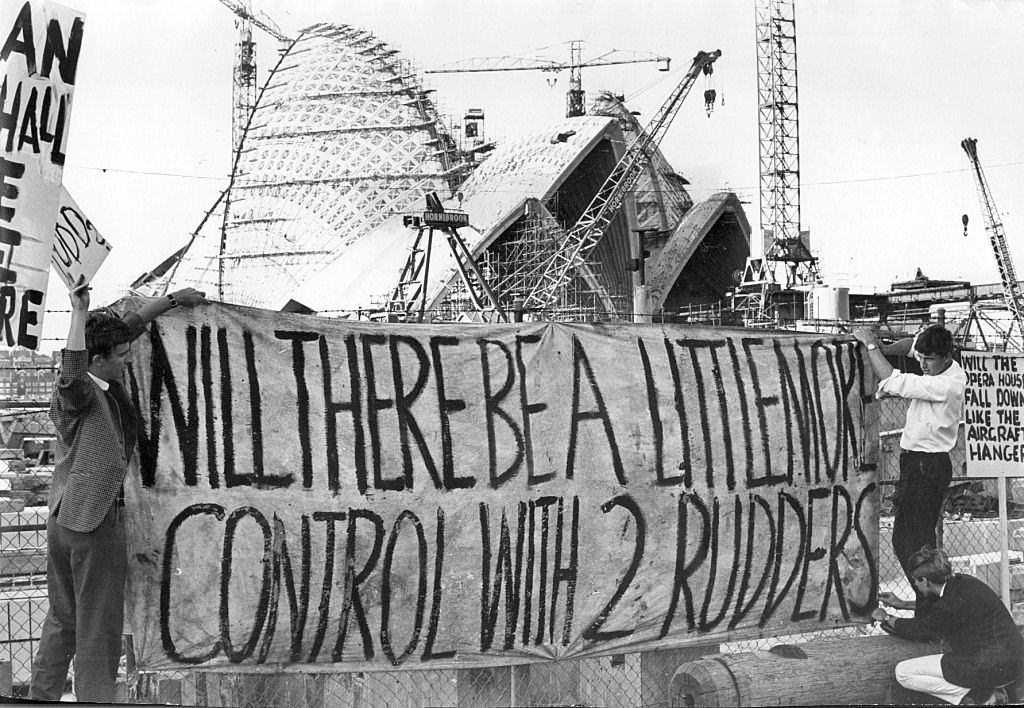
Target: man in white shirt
x=930 y=432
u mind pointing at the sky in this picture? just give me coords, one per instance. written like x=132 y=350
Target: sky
x=887 y=89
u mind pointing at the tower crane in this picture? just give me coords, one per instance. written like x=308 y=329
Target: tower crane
x=779 y=139
x=244 y=85
x=588 y=230
x=997 y=237
x=575 y=100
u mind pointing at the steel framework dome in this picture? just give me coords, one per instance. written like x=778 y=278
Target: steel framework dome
x=342 y=136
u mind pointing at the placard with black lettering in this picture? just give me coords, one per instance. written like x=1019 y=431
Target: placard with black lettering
x=42 y=42
x=79 y=248
x=994 y=414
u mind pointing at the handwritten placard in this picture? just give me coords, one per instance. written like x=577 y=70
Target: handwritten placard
x=993 y=417
x=79 y=249
x=38 y=61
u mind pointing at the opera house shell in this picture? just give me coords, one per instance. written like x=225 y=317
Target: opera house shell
x=344 y=140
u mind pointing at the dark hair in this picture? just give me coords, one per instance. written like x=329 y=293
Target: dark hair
x=935 y=340
x=932 y=564
x=103 y=332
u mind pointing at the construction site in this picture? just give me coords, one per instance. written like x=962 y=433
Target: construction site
x=585 y=220
x=353 y=197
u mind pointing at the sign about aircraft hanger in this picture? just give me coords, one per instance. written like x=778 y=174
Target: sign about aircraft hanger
x=994 y=414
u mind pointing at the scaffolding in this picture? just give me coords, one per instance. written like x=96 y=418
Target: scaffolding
x=513 y=265
x=342 y=136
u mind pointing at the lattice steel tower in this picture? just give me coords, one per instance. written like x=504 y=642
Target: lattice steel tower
x=778 y=134
x=243 y=96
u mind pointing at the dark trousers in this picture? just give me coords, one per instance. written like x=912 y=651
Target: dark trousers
x=924 y=477
x=85 y=580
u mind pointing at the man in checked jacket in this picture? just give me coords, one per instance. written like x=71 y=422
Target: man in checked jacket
x=86 y=558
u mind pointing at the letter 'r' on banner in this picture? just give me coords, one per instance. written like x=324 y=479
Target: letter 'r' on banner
x=42 y=42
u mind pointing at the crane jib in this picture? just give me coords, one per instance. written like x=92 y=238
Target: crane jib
x=997 y=237
x=584 y=236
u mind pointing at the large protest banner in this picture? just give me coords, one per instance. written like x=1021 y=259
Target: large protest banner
x=39 y=58
x=313 y=491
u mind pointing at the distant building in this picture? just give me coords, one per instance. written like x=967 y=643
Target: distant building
x=25 y=376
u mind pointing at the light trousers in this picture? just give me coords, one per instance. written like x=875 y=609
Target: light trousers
x=924 y=674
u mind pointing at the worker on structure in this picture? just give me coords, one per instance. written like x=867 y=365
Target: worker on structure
x=986 y=649
x=86 y=559
x=930 y=432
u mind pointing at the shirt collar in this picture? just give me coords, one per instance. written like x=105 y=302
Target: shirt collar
x=99 y=382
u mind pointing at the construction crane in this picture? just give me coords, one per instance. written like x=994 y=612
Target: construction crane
x=575 y=100
x=244 y=85
x=779 y=143
x=588 y=230
x=997 y=237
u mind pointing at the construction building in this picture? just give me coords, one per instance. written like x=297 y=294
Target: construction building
x=344 y=140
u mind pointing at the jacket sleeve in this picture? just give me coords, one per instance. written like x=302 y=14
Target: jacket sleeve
x=137 y=324
x=938 y=621
x=75 y=391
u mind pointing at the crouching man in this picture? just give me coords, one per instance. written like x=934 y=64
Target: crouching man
x=986 y=649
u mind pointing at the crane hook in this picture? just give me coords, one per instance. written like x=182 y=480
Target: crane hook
x=965 y=220
x=709 y=101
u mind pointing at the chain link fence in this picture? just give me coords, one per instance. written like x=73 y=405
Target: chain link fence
x=26 y=449
x=969 y=532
